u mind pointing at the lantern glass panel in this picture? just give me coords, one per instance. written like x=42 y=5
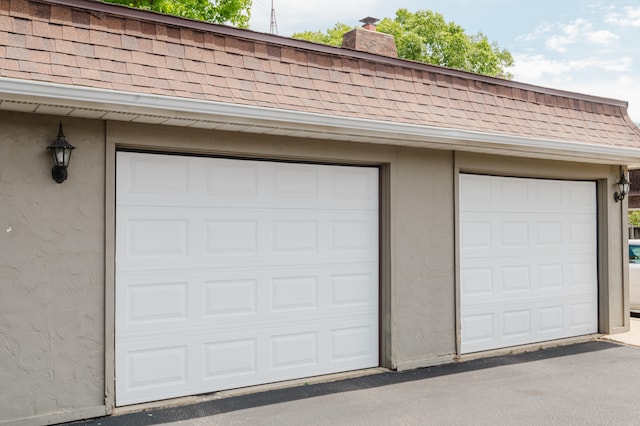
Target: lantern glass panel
x=61 y=156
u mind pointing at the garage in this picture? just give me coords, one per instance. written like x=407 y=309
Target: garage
x=528 y=260
x=233 y=272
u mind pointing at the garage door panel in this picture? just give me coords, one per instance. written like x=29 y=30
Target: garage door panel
x=223 y=183
x=511 y=234
x=167 y=367
x=230 y=359
x=157 y=301
x=518 y=324
x=251 y=271
x=546 y=276
x=212 y=237
x=145 y=174
x=237 y=297
x=504 y=195
x=528 y=266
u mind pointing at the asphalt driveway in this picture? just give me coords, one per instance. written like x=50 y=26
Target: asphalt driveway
x=594 y=383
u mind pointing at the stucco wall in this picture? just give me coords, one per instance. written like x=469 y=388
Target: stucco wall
x=422 y=258
x=51 y=270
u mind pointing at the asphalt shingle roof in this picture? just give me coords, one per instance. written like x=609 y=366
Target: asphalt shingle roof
x=87 y=43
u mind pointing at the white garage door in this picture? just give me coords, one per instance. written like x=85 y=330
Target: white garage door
x=528 y=261
x=232 y=273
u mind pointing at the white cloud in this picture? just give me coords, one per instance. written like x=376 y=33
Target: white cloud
x=574 y=32
x=570 y=34
x=601 y=37
x=530 y=68
x=630 y=17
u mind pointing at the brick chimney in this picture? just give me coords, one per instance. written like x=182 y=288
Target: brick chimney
x=367 y=39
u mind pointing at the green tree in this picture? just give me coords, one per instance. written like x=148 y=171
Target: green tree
x=425 y=36
x=234 y=12
x=332 y=36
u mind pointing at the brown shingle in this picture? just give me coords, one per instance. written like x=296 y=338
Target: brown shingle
x=17 y=53
x=174 y=34
x=64 y=46
x=253 y=63
x=174 y=49
x=145 y=58
x=194 y=53
x=103 y=38
x=271 y=89
x=244 y=75
x=230 y=59
x=237 y=46
x=104 y=52
x=174 y=63
x=90 y=74
x=8 y=64
x=136 y=43
x=132 y=26
x=299 y=71
x=197 y=67
x=116 y=78
x=188 y=37
x=16 y=40
x=80 y=18
x=43 y=29
x=159 y=47
x=21 y=26
x=113 y=23
x=214 y=41
x=113 y=66
x=148 y=29
x=405 y=86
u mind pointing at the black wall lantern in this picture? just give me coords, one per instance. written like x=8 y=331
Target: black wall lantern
x=61 y=151
x=623 y=188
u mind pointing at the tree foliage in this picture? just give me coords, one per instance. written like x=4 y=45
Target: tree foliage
x=332 y=36
x=426 y=36
x=234 y=12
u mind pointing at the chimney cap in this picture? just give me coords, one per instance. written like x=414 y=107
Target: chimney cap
x=369 y=20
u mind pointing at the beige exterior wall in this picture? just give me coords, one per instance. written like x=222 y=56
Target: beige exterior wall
x=51 y=271
x=422 y=258
x=57 y=266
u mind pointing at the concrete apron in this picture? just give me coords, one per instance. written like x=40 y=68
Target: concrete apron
x=631 y=337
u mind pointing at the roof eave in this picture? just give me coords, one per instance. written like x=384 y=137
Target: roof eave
x=77 y=101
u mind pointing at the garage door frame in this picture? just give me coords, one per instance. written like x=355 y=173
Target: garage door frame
x=384 y=288
x=468 y=163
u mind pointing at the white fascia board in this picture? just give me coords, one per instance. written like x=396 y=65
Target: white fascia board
x=296 y=121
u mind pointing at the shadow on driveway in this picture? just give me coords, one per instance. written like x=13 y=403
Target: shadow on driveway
x=242 y=402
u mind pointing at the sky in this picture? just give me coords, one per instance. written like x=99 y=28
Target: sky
x=584 y=46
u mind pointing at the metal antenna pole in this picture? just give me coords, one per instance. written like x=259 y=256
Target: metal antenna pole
x=274 y=25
